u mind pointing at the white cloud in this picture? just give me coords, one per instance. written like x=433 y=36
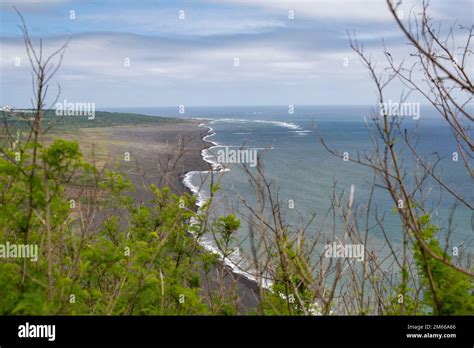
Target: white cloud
x=196 y=23
x=21 y=2
x=104 y=55
x=330 y=9
x=344 y=10
x=195 y=57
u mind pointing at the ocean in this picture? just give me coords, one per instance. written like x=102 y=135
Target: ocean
x=304 y=173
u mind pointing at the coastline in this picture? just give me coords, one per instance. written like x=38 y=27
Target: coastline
x=149 y=144
x=214 y=167
x=244 y=280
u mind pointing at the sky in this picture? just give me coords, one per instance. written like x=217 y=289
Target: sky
x=207 y=52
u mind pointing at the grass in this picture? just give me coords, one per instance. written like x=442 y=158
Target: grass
x=101 y=119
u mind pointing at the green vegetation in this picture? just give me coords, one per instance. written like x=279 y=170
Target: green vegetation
x=139 y=260
x=101 y=119
x=102 y=253
x=446 y=291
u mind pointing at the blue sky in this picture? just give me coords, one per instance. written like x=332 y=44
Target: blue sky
x=191 y=61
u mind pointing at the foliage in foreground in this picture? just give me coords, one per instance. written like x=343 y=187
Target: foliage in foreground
x=99 y=252
x=102 y=253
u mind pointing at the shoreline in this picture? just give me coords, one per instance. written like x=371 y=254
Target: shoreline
x=150 y=148
x=240 y=276
x=187 y=182
x=150 y=144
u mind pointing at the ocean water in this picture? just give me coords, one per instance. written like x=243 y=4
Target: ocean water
x=303 y=171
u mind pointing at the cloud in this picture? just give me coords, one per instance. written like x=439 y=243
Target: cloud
x=375 y=11
x=173 y=61
x=30 y=5
x=194 y=23
x=33 y=2
x=103 y=55
x=327 y=9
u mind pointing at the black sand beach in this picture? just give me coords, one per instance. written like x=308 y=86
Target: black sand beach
x=147 y=153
